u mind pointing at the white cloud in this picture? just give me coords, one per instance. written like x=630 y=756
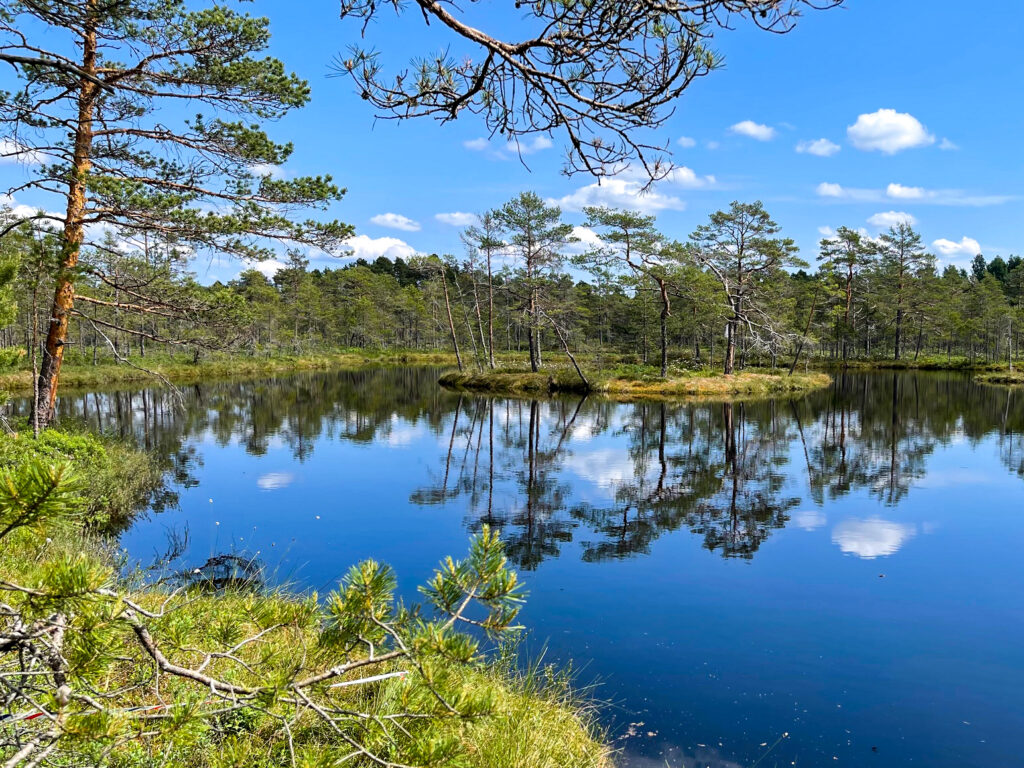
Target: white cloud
x=617 y=192
x=967 y=246
x=901 y=192
x=713 y=145
x=686 y=142
x=819 y=147
x=753 y=130
x=685 y=177
x=457 y=218
x=269 y=267
x=537 y=144
x=587 y=240
x=370 y=248
x=888 y=131
x=872 y=537
x=826 y=231
x=476 y=144
x=267 y=169
x=272 y=481
x=395 y=221
x=13 y=152
x=888 y=219
x=947 y=145
x=827 y=189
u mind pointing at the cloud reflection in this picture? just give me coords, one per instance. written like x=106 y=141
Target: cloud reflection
x=273 y=481
x=872 y=537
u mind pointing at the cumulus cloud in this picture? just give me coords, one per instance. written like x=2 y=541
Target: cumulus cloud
x=753 y=130
x=828 y=189
x=13 y=152
x=967 y=246
x=586 y=240
x=872 y=537
x=476 y=144
x=951 y=197
x=947 y=145
x=457 y=218
x=267 y=169
x=901 y=192
x=888 y=131
x=819 y=147
x=826 y=231
x=536 y=144
x=888 y=219
x=686 y=142
x=618 y=192
x=370 y=248
x=395 y=221
x=686 y=177
x=269 y=267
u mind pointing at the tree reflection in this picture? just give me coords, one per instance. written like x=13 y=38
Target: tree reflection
x=604 y=479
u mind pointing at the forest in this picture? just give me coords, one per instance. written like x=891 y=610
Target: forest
x=527 y=284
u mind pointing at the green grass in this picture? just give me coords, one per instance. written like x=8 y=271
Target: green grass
x=1010 y=378
x=116 y=479
x=523 y=719
x=922 y=363
x=82 y=374
x=514 y=718
x=631 y=382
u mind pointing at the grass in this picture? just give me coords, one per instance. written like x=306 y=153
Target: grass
x=636 y=382
x=82 y=374
x=922 y=363
x=1011 y=378
x=529 y=719
x=516 y=718
x=116 y=479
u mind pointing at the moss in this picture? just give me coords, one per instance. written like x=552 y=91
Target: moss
x=1009 y=378
x=528 y=719
x=82 y=374
x=116 y=479
x=923 y=363
x=636 y=382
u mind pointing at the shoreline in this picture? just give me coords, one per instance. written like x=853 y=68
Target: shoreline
x=623 y=388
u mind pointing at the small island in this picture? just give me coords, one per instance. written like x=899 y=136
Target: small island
x=629 y=386
x=1004 y=378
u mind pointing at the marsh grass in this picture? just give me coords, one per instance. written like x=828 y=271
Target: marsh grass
x=1006 y=378
x=629 y=382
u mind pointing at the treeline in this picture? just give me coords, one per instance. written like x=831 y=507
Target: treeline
x=735 y=293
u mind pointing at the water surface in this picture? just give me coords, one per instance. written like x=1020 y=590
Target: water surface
x=844 y=568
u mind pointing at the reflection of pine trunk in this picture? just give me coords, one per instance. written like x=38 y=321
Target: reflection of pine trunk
x=490 y=467
x=451 y=446
x=893 y=438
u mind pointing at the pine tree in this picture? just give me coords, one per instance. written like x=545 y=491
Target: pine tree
x=100 y=111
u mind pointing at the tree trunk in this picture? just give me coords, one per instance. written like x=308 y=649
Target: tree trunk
x=451 y=321
x=490 y=313
x=74 y=231
x=666 y=309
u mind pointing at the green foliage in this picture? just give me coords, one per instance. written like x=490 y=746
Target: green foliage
x=255 y=677
x=114 y=480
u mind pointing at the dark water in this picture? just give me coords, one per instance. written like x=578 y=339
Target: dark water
x=845 y=568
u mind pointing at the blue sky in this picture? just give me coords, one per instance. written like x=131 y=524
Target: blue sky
x=910 y=108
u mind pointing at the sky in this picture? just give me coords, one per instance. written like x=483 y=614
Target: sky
x=884 y=110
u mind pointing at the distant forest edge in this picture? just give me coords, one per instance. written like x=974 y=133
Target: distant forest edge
x=734 y=295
